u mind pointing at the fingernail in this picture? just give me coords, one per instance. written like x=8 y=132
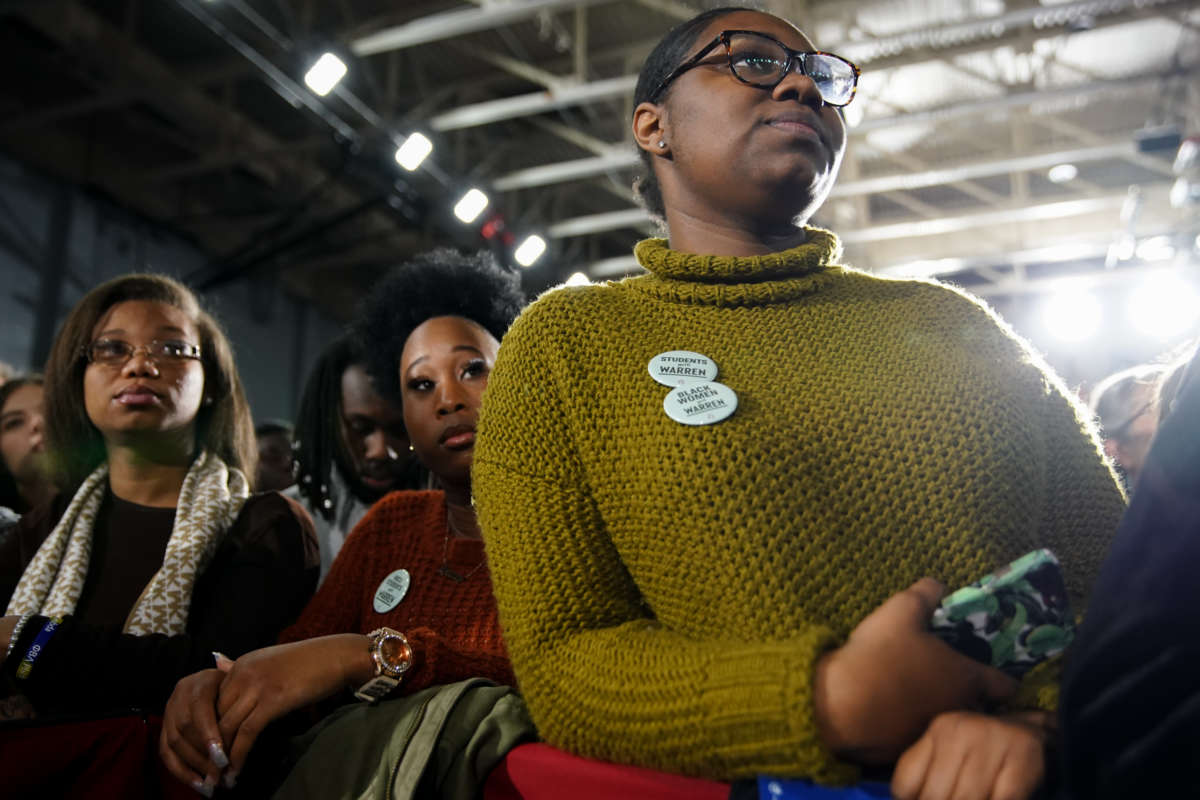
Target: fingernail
x=230 y=780
x=222 y=661
x=203 y=787
x=217 y=755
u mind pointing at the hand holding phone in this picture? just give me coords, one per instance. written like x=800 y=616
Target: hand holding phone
x=1013 y=619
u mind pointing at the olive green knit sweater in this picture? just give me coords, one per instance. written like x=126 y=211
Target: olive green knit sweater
x=664 y=590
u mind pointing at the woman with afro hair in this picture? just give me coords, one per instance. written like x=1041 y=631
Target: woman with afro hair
x=430 y=332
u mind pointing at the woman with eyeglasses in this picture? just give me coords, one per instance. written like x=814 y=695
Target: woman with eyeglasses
x=709 y=521
x=156 y=553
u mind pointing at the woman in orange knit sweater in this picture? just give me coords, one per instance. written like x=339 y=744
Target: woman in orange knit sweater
x=413 y=567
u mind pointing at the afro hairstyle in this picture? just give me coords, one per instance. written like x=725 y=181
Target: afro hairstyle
x=439 y=283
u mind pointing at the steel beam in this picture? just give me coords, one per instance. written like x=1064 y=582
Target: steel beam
x=524 y=105
x=610 y=267
x=597 y=223
x=962 y=222
x=563 y=171
x=1045 y=20
x=907 y=181
x=459 y=22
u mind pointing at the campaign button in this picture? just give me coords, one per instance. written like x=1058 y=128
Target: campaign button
x=679 y=367
x=391 y=591
x=700 y=403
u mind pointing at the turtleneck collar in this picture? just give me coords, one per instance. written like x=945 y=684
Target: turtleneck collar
x=738 y=280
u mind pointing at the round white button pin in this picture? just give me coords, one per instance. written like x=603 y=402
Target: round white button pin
x=700 y=403
x=391 y=591
x=680 y=367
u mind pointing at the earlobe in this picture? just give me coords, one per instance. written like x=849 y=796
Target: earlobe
x=649 y=129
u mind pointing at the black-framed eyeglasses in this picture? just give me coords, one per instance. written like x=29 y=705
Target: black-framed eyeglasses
x=115 y=352
x=757 y=59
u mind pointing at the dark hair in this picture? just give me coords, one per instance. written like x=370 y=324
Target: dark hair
x=440 y=283
x=318 y=442
x=273 y=426
x=1124 y=396
x=223 y=423
x=10 y=495
x=668 y=54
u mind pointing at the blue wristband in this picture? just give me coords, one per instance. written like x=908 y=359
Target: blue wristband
x=794 y=789
x=35 y=650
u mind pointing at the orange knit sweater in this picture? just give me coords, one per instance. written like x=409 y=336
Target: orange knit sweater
x=451 y=626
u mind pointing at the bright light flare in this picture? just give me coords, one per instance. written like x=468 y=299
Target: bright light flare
x=1072 y=315
x=1062 y=173
x=471 y=205
x=1156 y=248
x=415 y=149
x=578 y=279
x=1164 y=308
x=530 y=250
x=325 y=74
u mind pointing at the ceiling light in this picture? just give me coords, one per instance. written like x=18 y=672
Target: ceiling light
x=578 y=279
x=416 y=148
x=530 y=250
x=1072 y=315
x=1062 y=173
x=471 y=205
x=325 y=74
x=1156 y=248
x=1164 y=308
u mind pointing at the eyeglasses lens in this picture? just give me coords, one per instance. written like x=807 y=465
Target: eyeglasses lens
x=761 y=61
x=117 y=352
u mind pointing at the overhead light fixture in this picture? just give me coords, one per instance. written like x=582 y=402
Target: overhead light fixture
x=1156 y=248
x=1062 y=173
x=415 y=149
x=578 y=279
x=1072 y=315
x=325 y=74
x=471 y=205
x=1164 y=308
x=530 y=250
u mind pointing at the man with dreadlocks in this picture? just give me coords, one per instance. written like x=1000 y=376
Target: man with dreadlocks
x=351 y=447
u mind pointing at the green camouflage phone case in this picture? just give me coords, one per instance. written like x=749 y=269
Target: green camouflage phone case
x=1013 y=619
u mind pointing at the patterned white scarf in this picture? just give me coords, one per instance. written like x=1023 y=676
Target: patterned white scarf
x=210 y=500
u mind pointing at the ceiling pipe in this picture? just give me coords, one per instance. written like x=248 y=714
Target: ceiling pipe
x=448 y=24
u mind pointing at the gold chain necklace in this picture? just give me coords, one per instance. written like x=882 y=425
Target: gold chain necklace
x=444 y=570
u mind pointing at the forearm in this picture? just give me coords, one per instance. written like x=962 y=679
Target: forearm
x=439 y=661
x=603 y=680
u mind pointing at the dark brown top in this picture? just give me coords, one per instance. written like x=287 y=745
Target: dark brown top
x=128 y=546
x=260 y=578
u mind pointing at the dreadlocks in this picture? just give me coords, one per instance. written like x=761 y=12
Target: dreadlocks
x=318 y=427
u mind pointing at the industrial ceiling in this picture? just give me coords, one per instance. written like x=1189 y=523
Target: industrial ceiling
x=1000 y=144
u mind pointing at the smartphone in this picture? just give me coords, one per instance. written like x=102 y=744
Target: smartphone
x=1013 y=619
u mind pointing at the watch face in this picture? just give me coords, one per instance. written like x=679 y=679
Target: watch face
x=395 y=653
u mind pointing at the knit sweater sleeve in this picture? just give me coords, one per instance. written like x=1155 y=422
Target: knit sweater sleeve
x=1082 y=501
x=601 y=676
x=440 y=660
x=1083 y=507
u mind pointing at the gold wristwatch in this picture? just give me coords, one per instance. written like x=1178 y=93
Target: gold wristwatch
x=393 y=656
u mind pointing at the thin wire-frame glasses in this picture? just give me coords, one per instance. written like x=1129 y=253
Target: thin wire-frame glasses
x=115 y=352
x=763 y=61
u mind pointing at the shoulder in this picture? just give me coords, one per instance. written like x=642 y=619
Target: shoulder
x=563 y=310
x=35 y=525
x=389 y=523
x=269 y=516
x=403 y=509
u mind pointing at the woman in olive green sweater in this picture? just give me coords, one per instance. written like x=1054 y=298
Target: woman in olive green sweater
x=737 y=596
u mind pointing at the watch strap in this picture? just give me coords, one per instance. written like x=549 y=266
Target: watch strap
x=377 y=688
